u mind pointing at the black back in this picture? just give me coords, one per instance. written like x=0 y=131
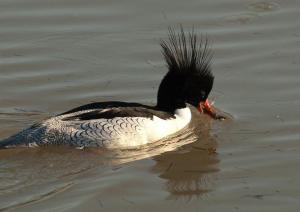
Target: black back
x=108 y=110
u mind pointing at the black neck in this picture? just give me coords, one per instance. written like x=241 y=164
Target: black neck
x=170 y=93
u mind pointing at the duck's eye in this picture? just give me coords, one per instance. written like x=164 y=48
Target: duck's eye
x=202 y=95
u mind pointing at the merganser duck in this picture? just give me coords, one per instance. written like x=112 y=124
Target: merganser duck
x=121 y=124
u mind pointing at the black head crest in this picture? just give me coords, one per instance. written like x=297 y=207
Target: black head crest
x=186 y=53
x=189 y=62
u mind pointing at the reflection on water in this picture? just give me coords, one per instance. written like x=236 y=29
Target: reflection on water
x=171 y=143
x=187 y=161
x=188 y=171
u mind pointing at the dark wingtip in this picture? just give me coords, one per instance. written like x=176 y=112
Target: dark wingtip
x=185 y=52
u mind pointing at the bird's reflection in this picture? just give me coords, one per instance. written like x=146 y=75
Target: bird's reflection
x=187 y=161
x=190 y=170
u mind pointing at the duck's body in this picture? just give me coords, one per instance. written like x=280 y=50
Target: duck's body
x=105 y=124
x=121 y=124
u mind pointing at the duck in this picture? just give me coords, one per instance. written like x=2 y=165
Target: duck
x=113 y=124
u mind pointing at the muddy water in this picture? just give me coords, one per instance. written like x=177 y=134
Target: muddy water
x=55 y=55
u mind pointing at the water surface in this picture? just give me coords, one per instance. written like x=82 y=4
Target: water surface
x=57 y=55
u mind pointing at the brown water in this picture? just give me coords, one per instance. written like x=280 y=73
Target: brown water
x=55 y=55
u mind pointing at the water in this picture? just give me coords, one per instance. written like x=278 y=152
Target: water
x=57 y=55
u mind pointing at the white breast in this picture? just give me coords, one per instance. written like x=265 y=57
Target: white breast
x=151 y=130
x=159 y=128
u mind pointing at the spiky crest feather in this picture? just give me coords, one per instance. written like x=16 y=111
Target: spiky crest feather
x=186 y=53
x=189 y=79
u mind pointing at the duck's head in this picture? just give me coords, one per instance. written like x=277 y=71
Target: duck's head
x=189 y=79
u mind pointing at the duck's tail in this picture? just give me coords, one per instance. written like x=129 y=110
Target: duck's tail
x=26 y=138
